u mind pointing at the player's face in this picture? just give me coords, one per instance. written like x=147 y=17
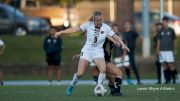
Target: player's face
x=115 y=28
x=127 y=26
x=52 y=31
x=159 y=27
x=165 y=23
x=98 y=21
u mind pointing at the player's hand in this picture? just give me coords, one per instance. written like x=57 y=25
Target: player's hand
x=57 y=34
x=125 y=47
x=76 y=57
x=117 y=44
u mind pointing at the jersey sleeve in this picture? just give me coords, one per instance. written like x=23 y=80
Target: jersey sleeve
x=84 y=26
x=173 y=35
x=110 y=31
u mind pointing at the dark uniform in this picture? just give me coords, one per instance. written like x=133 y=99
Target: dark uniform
x=166 y=38
x=53 y=48
x=108 y=46
x=131 y=43
x=158 y=64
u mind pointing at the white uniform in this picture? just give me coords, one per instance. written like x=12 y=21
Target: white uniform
x=166 y=56
x=95 y=38
x=120 y=63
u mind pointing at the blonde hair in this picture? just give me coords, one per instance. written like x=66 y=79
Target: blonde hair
x=96 y=13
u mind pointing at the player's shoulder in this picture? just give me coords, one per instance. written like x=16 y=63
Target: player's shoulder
x=106 y=26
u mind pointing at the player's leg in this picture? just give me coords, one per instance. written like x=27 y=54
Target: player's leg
x=126 y=65
x=58 y=72
x=112 y=69
x=170 y=61
x=100 y=63
x=166 y=73
x=83 y=64
x=111 y=82
x=133 y=66
x=173 y=72
x=50 y=73
x=1 y=78
x=95 y=74
x=158 y=67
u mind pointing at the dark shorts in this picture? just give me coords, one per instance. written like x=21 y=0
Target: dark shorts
x=53 y=59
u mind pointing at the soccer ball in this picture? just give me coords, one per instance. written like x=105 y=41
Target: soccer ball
x=100 y=90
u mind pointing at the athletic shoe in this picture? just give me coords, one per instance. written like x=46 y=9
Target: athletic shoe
x=117 y=94
x=129 y=81
x=69 y=90
x=1 y=83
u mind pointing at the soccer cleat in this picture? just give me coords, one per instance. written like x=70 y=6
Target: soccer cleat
x=117 y=94
x=69 y=90
x=129 y=81
x=1 y=83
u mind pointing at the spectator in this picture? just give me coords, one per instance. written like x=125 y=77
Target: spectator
x=2 y=47
x=122 y=58
x=131 y=37
x=155 y=39
x=166 y=50
x=53 y=47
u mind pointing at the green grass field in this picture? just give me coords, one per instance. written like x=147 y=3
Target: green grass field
x=85 y=93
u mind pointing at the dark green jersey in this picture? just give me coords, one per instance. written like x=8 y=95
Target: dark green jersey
x=166 y=38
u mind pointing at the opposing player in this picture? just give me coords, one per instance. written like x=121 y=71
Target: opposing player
x=97 y=32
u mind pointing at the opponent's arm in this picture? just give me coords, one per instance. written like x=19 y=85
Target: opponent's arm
x=111 y=39
x=118 y=39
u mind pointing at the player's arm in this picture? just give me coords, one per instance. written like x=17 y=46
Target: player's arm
x=114 y=42
x=68 y=31
x=76 y=56
x=118 y=39
x=158 y=47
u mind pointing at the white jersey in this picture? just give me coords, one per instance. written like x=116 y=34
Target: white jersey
x=1 y=43
x=95 y=37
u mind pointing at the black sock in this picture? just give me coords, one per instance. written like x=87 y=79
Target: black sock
x=173 y=75
x=167 y=76
x=127 y=70
x=95 y=78
x=112 y=88
x=118 y=82
x=1 y=82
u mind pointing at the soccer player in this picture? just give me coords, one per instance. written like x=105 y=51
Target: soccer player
x=166 y=51
x=2 y=48
x=158 y=28
x=53 y=48
x=97 y=32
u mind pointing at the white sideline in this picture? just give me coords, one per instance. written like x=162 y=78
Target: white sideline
x=66 y=82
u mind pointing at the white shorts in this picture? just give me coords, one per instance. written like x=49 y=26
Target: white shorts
x=120 y=63
x=90 y=55
x=166 y=56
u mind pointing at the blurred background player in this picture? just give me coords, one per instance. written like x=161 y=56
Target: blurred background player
x=166 y=51
x=131 y=36
x=122 y=58
x=53 y=48
x=2 y=48
x=158 y=27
